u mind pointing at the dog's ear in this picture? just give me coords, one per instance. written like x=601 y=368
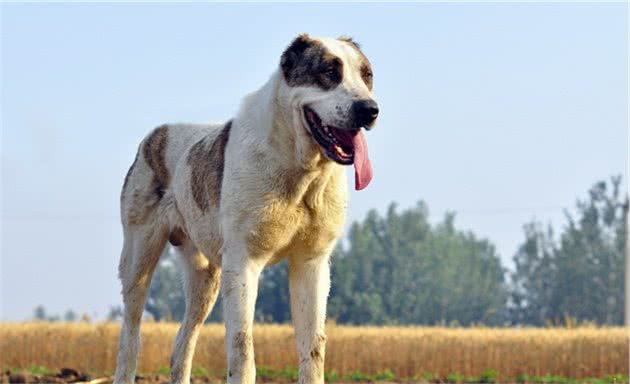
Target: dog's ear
x=350 y=41
x=292 y=54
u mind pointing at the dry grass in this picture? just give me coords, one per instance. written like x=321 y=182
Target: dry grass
x=406 y=351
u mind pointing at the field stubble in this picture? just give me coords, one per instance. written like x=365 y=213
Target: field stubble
x=405 y=351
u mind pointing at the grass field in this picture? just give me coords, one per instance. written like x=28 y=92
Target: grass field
x=392 y=352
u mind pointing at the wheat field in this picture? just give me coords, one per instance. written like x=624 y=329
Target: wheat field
x=406 y=351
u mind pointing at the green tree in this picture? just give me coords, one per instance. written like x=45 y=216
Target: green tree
x=166 y=299
x=39 y=313
x=581 y=274
x=166 y=296
x=273 y=303
x=70 y=316
x=532 y=283
x=400 y=269
x=115 y=313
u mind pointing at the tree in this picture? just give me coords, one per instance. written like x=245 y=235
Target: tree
x=115 y=313
x=70 y=316
x=398 y=269
x=39 y=313
x=581 y=275
x=273 y=303
x=532 y=282
x=166 y=298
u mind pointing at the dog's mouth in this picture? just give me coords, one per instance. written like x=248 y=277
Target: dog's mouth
x=337 y=143
x=343 y=146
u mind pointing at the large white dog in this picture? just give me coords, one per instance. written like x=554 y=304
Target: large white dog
x=236 y=197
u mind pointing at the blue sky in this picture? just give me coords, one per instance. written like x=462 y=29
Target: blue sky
x=502 y=112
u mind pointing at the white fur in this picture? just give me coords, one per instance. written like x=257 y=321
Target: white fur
x=280 y=197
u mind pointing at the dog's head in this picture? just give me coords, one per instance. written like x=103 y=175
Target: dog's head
x=327 y=90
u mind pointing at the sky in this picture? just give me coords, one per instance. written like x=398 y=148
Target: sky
x=501 y=112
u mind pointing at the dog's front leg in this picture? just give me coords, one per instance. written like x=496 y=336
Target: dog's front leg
x=309 y=284
x=239 y=290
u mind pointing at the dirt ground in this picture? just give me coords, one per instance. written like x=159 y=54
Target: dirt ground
x=69 y=375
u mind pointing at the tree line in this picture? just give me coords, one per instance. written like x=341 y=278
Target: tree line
x=398 y=268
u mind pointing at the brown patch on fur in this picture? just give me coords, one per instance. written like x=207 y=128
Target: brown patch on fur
x=319 y=349
x=207 y=169
x=243 y=342
x=154 y=152
x=144 y=201
x=307 y=62
x=350 y=41
x=365 y=66
x=133 y=165
x=177 y=237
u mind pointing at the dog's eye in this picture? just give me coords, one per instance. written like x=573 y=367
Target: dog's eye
x=366 y=75
x=330 y=74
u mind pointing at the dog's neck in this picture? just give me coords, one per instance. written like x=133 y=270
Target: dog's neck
x=269 y=128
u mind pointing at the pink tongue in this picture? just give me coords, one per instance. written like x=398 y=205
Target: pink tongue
x=362 y=166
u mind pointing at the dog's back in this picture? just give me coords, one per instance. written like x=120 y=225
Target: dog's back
x=148 y=209
x=150 y=177
x=150 y=218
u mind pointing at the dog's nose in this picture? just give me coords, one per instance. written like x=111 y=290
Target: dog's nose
x=365 y=112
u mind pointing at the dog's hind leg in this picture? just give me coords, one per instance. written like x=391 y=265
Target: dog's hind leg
x=201 y=285
x=142 y=248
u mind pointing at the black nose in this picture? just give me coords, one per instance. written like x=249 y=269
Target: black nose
x=365 y=112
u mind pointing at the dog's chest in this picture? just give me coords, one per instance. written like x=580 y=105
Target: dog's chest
x=306 y=225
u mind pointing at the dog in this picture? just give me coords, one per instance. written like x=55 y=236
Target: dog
x=233 y=198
